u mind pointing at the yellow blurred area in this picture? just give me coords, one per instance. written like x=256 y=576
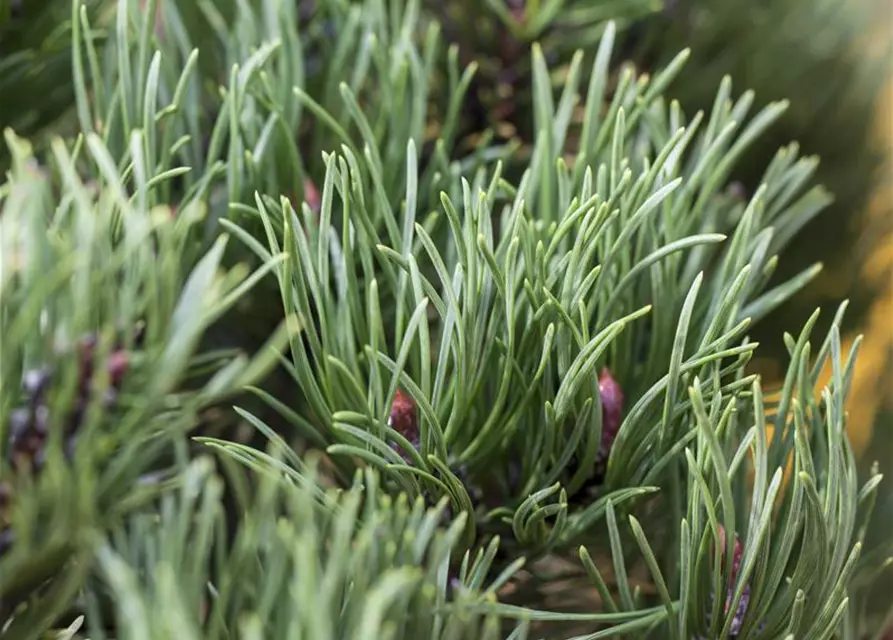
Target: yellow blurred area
x=872 y=388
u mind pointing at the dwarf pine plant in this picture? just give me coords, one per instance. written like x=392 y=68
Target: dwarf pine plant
x=294 y=348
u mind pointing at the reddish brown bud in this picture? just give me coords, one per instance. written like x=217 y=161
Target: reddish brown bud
x=736 y=554
x=741 y=610
x=403 y=418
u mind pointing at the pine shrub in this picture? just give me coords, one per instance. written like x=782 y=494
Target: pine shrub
x=300 y=340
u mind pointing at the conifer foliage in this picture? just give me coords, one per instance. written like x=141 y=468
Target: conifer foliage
x=495 y=386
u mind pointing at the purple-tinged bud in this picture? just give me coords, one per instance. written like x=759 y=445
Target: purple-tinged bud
x=612 y=409
x=741 y=609
x=403 y=418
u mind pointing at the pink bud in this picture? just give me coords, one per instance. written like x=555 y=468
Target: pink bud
x=612 y=408
x=117 y=366
x=311 y=195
